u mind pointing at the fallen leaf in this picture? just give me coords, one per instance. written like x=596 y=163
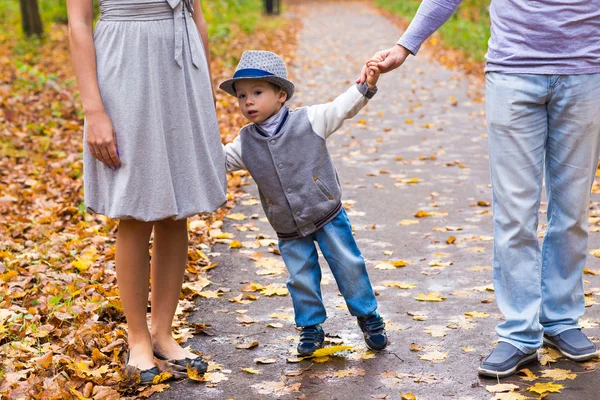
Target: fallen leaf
x=326 y=351
x=548 y=387
x=431 y=297
x=434 y=356
x=501 y=387
x=252 y=371
x=247 y=345
x=265 y=360
x=558 y=374
x=399 y=285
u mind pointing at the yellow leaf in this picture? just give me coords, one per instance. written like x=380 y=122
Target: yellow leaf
x=409 y=121
x=349 y=372
x=529 y=376
x=236 y=244
x=451 y=240
x=163 y=376
x=509 y=396
x=434 y=356
x=362 y=121
x=407 y=396
x=194 y=374
x=595 y=252
x=476 y=314
x=77 y=394
x=252 y=371
x=501 y=387
x=558 y=374
x=409 y=180
x=548 y=355
x=405 y=222
x=81 y=265
x=210 y=294
x=436 y=330
x=253 y=287
x=548 y=387
x=265 y=360
x=274 y=291
x=468 y=349
x=325 y=351
x=423 y=214
x=236 y=217
x=399 y=285
x=8 y=275
x=432 y=297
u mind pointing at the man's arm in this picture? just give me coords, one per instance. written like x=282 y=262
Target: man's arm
x=431 y=15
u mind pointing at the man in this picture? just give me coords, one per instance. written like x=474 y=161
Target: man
x=543 y=118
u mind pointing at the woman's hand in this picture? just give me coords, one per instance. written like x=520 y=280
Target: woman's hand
x=101 y=139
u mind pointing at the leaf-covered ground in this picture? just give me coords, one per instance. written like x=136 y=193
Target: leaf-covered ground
x=62 y=331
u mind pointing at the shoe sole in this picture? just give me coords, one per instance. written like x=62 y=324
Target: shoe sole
x=503 y=374
x=583 y=357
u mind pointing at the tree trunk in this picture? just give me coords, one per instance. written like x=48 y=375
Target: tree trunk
x=272 y=7
x=30 y=17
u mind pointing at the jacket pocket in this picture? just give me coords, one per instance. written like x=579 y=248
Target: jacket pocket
x=270 y=204
x=323 y=188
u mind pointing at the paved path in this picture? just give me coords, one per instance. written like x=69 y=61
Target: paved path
x=426 y=124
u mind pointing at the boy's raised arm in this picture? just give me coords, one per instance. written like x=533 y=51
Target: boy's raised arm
x=328 y=118
x=233 y=155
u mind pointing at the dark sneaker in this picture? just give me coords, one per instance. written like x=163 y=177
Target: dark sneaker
x=572 y=344
x=373 y=329
x=504 y=361
x=311 y=339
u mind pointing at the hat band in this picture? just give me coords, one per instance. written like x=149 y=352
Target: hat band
x=251 y=73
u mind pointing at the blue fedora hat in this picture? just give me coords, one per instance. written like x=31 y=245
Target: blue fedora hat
x=260 y=64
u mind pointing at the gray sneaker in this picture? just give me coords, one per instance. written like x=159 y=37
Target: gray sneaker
x=504 y=361
x=572 y=344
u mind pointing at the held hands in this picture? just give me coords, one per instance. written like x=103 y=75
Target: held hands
x=101 y=139
x=386 y=61
x=373 y=73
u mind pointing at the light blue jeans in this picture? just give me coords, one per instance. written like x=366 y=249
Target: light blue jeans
x=541 y=126
x=347 y=265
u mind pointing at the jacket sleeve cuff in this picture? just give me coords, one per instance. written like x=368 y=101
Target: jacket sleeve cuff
x=364 y=89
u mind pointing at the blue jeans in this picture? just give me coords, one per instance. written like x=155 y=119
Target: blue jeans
x=347 y=265
x=541 y=126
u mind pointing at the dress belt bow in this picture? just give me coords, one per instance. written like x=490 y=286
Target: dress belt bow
x=181 y=10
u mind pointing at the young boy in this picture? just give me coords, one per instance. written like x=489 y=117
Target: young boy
x=285 y=152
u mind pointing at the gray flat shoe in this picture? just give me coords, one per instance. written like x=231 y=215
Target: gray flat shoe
x=197 y=363
x=147 y=375
x=504 y=361
x=572 y=344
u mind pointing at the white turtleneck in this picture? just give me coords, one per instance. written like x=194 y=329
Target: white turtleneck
x=269 y=126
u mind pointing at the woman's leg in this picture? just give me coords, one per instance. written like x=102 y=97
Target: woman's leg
x=133 y=272
x=169 y=260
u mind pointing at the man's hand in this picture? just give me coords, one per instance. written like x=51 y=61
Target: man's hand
x=387 y=60
x=373 y=74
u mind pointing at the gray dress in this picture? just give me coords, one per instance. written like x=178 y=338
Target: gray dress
x=155 y=87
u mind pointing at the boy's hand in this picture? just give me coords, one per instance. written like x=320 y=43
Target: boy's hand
x=373 y=73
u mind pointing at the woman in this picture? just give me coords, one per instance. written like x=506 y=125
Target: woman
x=152 y=151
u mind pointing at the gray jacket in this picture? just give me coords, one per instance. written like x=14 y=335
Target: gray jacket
x=299 y=188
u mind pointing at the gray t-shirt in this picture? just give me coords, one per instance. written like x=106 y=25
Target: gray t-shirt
x=547 y=37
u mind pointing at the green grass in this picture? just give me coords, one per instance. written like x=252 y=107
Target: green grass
x=467 y=30
x=220 y=15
